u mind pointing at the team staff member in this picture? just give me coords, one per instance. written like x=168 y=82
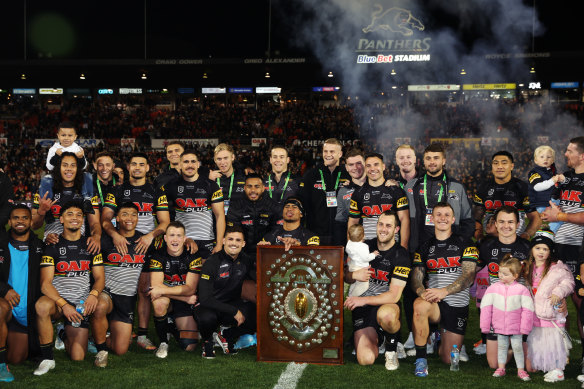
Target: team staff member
x=256 y=213
x=319 y=188
x=232 y=177
x=153 y=217
x=65 y=281
x=280 y=183
x=291 y=233
x=104 y=178
x=433 y=187
x=374 y=197
x=449 y=262
x=21 y=254
x=405 y=159
x=115 y=310
x=376 y=313
x=504 y=189
x=197 y=203
x=220 y=287
x=174 y=277
x=491 y=252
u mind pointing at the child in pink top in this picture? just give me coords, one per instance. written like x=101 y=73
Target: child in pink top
x=507 y=307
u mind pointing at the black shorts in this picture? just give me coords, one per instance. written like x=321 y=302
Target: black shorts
x=570 y=255
x=366 y=316
x=84 y=322
x=14 y=326
x=123 y=307
x=453 y=319
x=180 y=309
x=205 y=248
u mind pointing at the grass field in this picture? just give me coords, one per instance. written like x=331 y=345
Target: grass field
x=139 y=368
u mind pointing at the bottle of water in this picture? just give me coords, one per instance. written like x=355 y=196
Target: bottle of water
x=454 y=358
x=80 y=307
x=557 y=308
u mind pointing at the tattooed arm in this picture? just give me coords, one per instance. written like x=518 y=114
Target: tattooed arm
x=418 y=281
x=466 y=278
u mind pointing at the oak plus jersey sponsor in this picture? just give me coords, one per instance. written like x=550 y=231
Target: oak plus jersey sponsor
x=492 y=251
x=191 y=202
x=368 y=203
x=571 y=195
x=73 y=264
x=147 y=198
x=122 y=271
x=392 y=263
x=175 y=269
x=443 y=262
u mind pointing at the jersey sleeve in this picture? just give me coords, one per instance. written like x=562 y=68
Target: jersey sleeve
x=216 y=192
x=470 y=253
x=161 y=200
x=195 y=264
x=479 y=197
x=401 y=203
x=47 y=260
x=355 y=205
x=403 y=266
x=110 y=200
x=420 y=256
x=534 y=178
x=155 y=264
x=527 y=206
x=313 y=240
x=97 y=260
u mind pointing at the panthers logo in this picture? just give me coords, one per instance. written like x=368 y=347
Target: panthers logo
x=393 y=19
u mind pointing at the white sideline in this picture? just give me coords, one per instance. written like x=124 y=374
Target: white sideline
x=289 y=377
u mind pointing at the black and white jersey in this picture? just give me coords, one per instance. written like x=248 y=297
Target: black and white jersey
x=73 y=264
x=392 y=263
x=175 y=269
x=571 y=195
x=147 y=198
x=304 y=236
x=191 y=202
x=122 y=271
x=369 y=202
x=492 y=251
x=443 y=260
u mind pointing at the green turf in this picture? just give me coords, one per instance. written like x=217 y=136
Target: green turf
x=139 y=368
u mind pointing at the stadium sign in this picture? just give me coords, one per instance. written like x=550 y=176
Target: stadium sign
x=564 y=85
x=105 y=91
x=433 y=88
x=130 y=91
x=161 y=143
x=213 y=90
x=256 y=142
x=326 y=88
x=240 y=90
x=268 y=89
x=488 y=86
x=24 y=91
x=50 y=91
x=81 y=142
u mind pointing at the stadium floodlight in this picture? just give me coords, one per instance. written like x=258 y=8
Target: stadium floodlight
x=82 y=76
x=532 y=70
x=393 y=73
x=267 y=75
x=23 y=76
x=463 y=72
x=331 y=74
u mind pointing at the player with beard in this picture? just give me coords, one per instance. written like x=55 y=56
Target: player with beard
x=319 y=189
x=449 y=262
x=280 y=183
x=153 y=217
x=20 y=256
x=491 y=252
x=291 y=233
x=175 y=274
x=376 y=313
x=65 y=282
x=115 y=310
x=504 y=189
x=104 y=178
x=405 y=159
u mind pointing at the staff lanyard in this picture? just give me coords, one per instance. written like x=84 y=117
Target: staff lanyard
x=425 y=191
x=285 y=185
x=324 y=185
x=230 y=184
x=99 y=189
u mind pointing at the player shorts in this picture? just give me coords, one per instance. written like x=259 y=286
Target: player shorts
x=15 y=326
x=180 y=309
x=366 y=316
x=123 y=307
x=453 y=319
x=84 y=322
x=570 y=255
x=205 y=248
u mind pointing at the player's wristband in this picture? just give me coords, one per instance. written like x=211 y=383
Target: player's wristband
x=94 y=293
x=562 y=217
x=61 y=302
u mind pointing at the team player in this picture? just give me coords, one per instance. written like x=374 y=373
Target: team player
x=280 y=183
x=198 y=204
x=21 y=253
x=153 y=217
x=376 y=313
x=115 y=310
x=220 y=301
x=65 y=282
x=173 y=151
x=104 y=179
x=449 y=262
x=175 y=274
x=374 y=197
x=232 y=177
x=504 y=189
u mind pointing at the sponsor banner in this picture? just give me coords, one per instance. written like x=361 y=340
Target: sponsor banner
x=268 y=89
x=24 y=91
x=50 y=91
x=564 y=85
x=433 y=88
x=256 y=142
x=161 y=143
x=326 y=88
x=316 y=143
x=130 y=91
x=213 y=90
x=105 y=91
x=128 y=142
x=81 y=142
x=488 y=86
x=186 y=91
x=381 y=58
x=240 y=90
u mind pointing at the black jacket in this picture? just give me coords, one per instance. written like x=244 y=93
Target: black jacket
x=6 y=196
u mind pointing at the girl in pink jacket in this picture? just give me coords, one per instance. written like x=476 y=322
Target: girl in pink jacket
x=507 y=308
x=551 y=282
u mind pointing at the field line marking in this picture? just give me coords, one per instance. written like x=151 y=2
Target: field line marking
x=289 y=377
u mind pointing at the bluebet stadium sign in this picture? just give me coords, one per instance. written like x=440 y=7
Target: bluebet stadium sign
x=380 y=58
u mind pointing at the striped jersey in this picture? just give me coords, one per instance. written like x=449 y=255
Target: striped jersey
x=191 y=202
x=73 y=264
x=389 y=264
x=122 y=271
x=147 y=198
x=571 y=195
x=369 y=202
x=443 y=260
x=175 y=269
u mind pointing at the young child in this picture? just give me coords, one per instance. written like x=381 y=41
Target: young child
x=66 y=136
x=542 y=181
x=359 y=257
x=507 y=307
x=550 y=282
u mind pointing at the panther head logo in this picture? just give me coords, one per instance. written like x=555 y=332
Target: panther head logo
x=393 y=19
